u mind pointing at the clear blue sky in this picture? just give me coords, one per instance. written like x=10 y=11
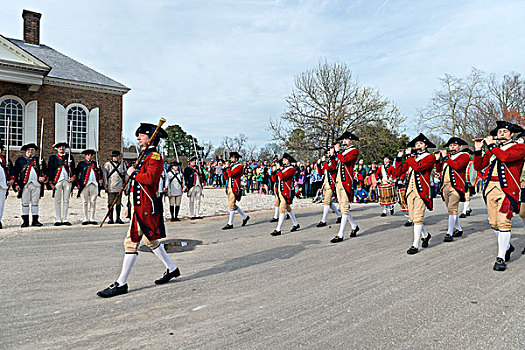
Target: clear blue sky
x=224 y=67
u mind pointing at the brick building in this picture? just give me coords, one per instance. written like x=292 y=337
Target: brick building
x=39 y=83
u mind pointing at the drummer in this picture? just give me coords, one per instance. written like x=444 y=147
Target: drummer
x=521 y=139
x=472 y=177
x=452 y=167
x=385 y=176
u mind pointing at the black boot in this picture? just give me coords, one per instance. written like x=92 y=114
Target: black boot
x=35 y=221
x=110 y=221
x=25 y=222
x=177 y=209
x=172 y=209
x=118 y=221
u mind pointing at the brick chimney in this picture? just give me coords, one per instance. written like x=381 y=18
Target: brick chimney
x=31 y=27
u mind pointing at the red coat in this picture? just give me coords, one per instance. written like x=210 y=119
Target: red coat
x=233 y=175
x=145 y=187
x=509 y=162
x=329 y=170
x=347 y=160
x=389 y=172
x=457 y=168
x=422 y=168
x=284 y=179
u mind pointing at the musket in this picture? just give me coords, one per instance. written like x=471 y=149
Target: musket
x=7 y=166
x=96 y=161
x=40 y=160
x=198 y=163
x=70 y=141
x=176 y=154
x=137 y=162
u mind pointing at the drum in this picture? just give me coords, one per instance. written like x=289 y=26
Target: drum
x=387 y=194
x=472 y=174
x=402 y=200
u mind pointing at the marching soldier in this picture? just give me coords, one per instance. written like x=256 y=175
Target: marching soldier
x=471 y=187
x=193 y=183
x=232 y=173
x=29 y=180
x=147 y=222
x=275 y=217
x=61 y=179
x=418 y=167
x=503 y=164
x=521 y=140
x=114 y=173
x=89 y=178
x=175 y=186
x=453 y=182
x=385 y=175
x=5 y=181
x=329 y=170
x=347 y=157
x=284 y=177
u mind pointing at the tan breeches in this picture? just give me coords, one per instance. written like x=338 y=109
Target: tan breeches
x=342 y=197
x=283 y=206
x=328 y=194
x=175 y=200
x=231 y=200
x=416 y=208
x=276 y=198
x=495 y=197
x=132 y=247
x=451 y=197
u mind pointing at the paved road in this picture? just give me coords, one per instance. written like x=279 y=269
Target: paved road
x=243 y=289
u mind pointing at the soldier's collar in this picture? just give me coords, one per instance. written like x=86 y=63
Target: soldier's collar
x=507 y=142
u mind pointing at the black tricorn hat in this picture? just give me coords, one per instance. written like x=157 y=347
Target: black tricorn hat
x=387 y=156
x=501 y=124
x=62 y=143
x=235 y=154
x=115 y=153
x=149 y=129
x=421 y=138
x=175 y=163
x=29 y=145
x=455 y=140
x=89 y=151
x=289 y=157
x=348 y=135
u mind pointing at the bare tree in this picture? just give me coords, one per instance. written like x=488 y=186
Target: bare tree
x=327 y=101
x=235 y=143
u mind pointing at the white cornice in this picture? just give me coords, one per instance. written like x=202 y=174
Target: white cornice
x=22 y=54
x=20 y=76
x=85 y=86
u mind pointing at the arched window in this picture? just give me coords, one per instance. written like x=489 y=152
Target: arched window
x=12 y=114
x=77 y=121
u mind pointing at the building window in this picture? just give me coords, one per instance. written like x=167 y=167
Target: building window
x=12 y=113
x=77 y=122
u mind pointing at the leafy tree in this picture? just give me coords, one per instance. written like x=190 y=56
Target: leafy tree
x=184 y=142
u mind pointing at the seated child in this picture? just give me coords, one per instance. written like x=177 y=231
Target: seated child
x=361 y=195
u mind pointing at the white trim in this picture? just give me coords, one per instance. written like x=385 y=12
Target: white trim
x=20 y=77
x=85 y=86
x=19 y=100
x=24 y=55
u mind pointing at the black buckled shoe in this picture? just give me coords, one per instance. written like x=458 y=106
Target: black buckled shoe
x=321 y=224
x=336 y=239
x=113 y=290
x=66 y=223
x=295 y=228
x=227 y=227
x=93 y=223
x=274 y=220
x=167 y=276
x=469 y=211
x=383 y=214
x=500 y=265
x=111 y=222
x=425 y=240
x=408 y=223
x=392 y=211
x=462 y=215
x=245 y=221
x=457 y=233
x=276 y=233
x=412 y=250
x=85 y=223
x=523 y=252
x=35 y=221
x=338 y=221
x=448 y=238
x=58 y=223
x=508 y=252
x=354 y=231
x=119 y=221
